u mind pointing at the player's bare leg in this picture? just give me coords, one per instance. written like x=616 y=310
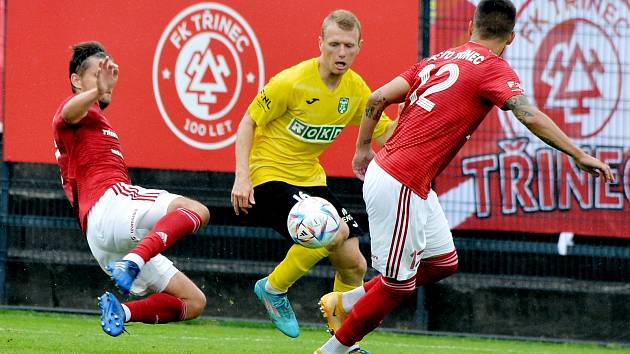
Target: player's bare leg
x=183 y=288
x=181 y=300
x=193 y=205
x=183 y=216
x=349 y=263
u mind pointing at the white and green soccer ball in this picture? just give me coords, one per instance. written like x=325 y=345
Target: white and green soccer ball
x=313 y=222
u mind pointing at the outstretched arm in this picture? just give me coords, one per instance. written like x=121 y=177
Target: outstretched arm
x=543 y=127
x=77 y=107
x=392 y=92
x=243 y=192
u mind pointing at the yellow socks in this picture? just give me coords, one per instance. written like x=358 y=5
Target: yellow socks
x=295 y=264
x=341 y=286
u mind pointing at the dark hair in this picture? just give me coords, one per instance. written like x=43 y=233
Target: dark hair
x=494 y=19
x=80 y=53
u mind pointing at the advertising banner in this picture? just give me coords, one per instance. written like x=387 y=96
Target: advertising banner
x=188 y=69
x=571 y=57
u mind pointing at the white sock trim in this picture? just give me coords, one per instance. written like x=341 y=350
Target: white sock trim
x=333 y=346
x=349 y=298
x=271 y=289
x=135 y=258
x=127 y=312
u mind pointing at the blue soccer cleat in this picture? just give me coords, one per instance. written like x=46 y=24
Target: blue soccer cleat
x=112 y=314
x=279 y=309
x=123 y=273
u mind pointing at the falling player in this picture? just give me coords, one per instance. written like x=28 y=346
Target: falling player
x=126 y=226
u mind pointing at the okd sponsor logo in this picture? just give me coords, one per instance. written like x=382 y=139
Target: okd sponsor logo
x=207 y=67
x=567 y=55
x=314 y=133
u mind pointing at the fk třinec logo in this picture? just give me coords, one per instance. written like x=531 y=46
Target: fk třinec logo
x=567 y=56
x=207 y=67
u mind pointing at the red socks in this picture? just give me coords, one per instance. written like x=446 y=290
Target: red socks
x=170 y=228
x=436 y=268
x=370 y=284
x=157 y=308
x=384 y=296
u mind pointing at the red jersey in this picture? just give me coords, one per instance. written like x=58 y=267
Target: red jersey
x=89 y=158
x=450 y=94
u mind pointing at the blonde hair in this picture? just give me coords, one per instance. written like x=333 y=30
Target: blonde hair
x=345 y=19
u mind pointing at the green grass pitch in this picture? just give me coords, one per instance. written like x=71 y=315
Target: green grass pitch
x=36 y=332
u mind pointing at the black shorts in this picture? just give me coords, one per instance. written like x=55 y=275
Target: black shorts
x=275 y=199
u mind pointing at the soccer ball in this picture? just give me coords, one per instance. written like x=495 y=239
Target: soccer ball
x=313 y=222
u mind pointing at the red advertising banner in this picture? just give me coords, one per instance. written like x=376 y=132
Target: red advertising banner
x=188 y=69
x=571 y=57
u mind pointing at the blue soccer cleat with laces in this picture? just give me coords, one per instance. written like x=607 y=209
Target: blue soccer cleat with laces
x=112 y=314
x=278 y=308
x=123 y=273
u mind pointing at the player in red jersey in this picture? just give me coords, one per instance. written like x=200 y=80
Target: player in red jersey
x=126 y=226
x=446 y=97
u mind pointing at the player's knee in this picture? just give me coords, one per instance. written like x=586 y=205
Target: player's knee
x=192 y=205
x=195 y=305
x=355 y=264
x=344 y=231
x=203 y=212
x=363 y=265
x=354 y=272
x=340 y=238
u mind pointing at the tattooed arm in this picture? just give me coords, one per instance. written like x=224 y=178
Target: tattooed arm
x=392 y=92
x=374 y=107
x=543 y=127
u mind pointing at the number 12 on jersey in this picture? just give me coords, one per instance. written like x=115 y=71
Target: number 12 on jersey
x=424 y=74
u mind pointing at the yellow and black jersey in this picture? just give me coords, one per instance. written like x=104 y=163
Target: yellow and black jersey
x=297 y=117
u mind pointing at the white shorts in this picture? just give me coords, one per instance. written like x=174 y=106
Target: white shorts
x=119 y=220
x=404 y=228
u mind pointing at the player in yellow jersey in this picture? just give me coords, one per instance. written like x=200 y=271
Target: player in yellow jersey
x=297 y=115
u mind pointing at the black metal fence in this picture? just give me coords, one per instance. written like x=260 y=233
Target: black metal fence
x=39 y=227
